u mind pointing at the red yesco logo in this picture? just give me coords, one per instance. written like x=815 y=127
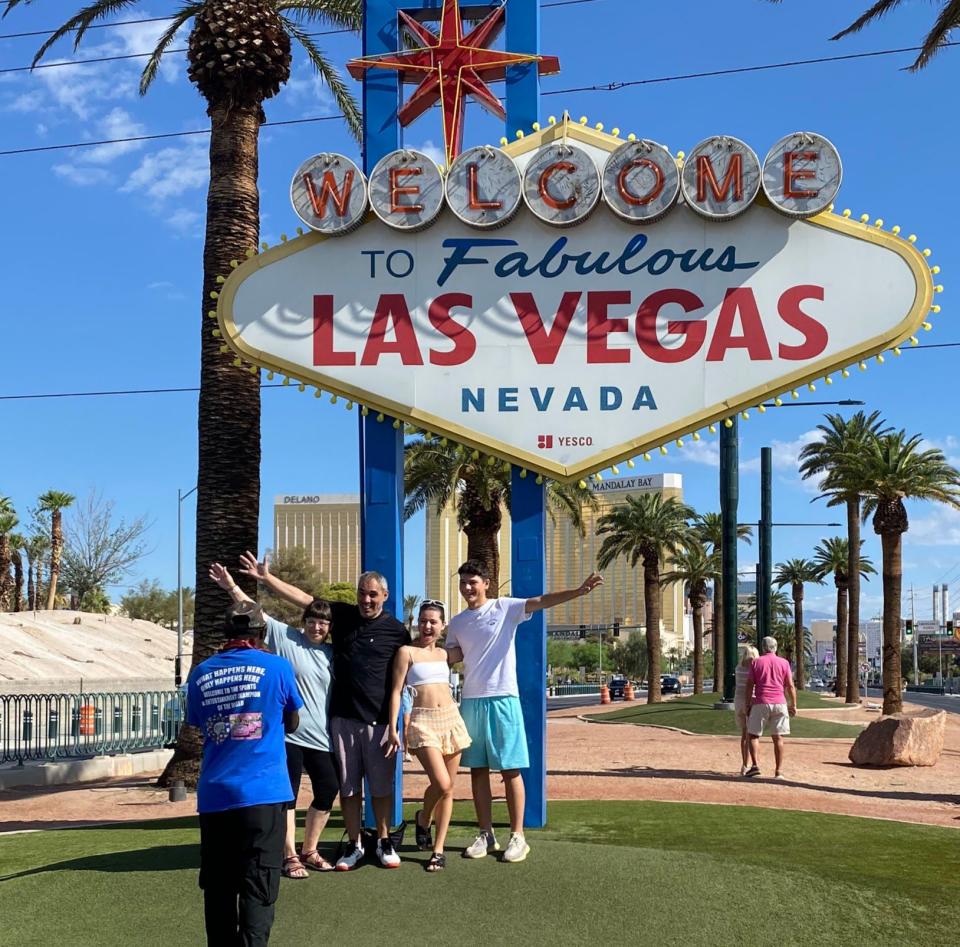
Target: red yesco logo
x=544 y=441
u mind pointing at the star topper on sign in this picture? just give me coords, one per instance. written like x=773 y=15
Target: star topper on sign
x=449 y=66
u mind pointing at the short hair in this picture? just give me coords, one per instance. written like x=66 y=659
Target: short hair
x=474 y=567
x=748 y=654
x=769 y=644
x=320 y=609
x=377 y=577
x=245 y=620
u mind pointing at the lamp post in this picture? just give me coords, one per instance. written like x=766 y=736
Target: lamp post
x=178 y=664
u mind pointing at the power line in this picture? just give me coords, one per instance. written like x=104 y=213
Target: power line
x=164 y=391
x=165 y=19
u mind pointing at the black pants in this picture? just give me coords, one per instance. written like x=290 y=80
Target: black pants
x=321 y=767
x=241 y=852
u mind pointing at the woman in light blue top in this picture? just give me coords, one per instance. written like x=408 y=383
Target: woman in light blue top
x=742 y=675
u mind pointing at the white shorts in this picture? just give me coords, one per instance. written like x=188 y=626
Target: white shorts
x=775 y=714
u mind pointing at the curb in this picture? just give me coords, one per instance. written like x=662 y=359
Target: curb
x=84 y=771
x=691 y=733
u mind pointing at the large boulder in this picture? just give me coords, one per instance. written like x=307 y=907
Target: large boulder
x=906 y=739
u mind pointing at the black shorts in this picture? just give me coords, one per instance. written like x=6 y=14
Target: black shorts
x=321 y=767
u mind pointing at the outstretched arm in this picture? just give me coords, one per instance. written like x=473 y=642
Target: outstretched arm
x=550 y=599
x=261 y=572
x=401 y=664
x=219 y=574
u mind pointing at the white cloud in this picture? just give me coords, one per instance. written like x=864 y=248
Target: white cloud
x=949 y=445
x=939 y=528
x=432 y=151
x=27 y=102
x=705 y=451
x=306 y=87
x=169 y=173
x=117 y=123
x=785 y=454
x=82 y=175
x=185 y=221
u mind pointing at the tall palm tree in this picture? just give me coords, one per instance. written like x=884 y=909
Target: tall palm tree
x=831 y=557
x=36 y=548
x=948 y=19
x=239 y=54
x=436 y=472
x=55 y=502
x=17 y=543
x=709 y=530
x=648 y=527
x=410 y=603
x=8 y=522
x=831 y=460
x=796 y=573
x=895 y=468
x=694 y=566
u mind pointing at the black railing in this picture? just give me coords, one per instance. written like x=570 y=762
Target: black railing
x=46 y=727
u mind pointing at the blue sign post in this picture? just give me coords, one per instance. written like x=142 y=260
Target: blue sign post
x=381 y=445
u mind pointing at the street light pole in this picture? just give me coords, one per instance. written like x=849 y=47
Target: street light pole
x=178 y=664
x=729 y=498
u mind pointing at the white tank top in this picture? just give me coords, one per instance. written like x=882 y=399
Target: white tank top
x=427 y=672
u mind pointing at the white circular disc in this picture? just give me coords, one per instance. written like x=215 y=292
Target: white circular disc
x=720 y=178
x=406 y=190
x=561 y=184
x=641 y=181
x=329 y=194
x=483 y=187
x=802 y=174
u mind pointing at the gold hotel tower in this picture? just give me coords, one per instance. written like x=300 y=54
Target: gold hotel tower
x=570 y=558
x=326 y=525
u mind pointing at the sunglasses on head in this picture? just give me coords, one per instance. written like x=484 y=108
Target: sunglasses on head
x=433 y=603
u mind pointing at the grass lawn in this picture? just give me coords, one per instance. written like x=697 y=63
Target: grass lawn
x=602 y=872
x=696 y=714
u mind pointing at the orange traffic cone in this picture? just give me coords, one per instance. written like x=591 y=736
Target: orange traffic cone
x=628 y=691
x=604 y=694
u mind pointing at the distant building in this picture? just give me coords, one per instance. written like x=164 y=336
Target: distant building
x=326 y=525
x=569 y=559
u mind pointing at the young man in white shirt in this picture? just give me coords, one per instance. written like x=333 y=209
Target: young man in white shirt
x=483 y=638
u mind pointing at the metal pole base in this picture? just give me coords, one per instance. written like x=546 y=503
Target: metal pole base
x=724 y=705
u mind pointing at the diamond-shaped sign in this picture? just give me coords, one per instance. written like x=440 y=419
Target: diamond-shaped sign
x=566 y=350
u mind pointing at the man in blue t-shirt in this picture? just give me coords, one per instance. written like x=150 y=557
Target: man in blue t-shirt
x=243 y=700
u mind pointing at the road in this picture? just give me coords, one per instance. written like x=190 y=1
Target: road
x=593 y=700
x=948 y=702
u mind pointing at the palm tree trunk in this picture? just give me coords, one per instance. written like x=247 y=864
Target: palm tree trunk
x=842 y=614
x=17 y=580
x=651 y=601
x=698 y=649
x=717 y=635
x=31 y=591
x=891 y=544
x=853 y=600
x=798 y=634
x=56 y=550
x=4 y=569
x=482 y=544
x=840 y=688
x=228 y=475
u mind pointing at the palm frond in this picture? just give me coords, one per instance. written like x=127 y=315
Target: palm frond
x=344 y=13
x=341 y=94
x=880 y=9
x=79 y=23
x=153 y=63
x=948 y=21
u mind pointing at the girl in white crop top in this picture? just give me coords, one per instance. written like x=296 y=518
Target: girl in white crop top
x=436 y=734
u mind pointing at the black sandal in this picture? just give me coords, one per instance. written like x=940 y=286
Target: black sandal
x=424 y=836
x=438 y=861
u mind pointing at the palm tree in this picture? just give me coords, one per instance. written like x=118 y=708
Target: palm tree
x=780 y=611
x=8 y=522
x=436 y=472
x=238 y=56
x=17 y=543
x=36 y=548
x=650 y=527
x=947 y=20
x=895 y=469
x=796 y=573
x=832 y=557
x=694 y=567
x=410 y=603
x=709 y=530
x=831 y=460
x=55 y=502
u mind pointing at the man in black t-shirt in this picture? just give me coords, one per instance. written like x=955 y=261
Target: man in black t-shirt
x=365 y=640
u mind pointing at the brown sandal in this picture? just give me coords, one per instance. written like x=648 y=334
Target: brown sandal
x=292 y=868
x=315 y=861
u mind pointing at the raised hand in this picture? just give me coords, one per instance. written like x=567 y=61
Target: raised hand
x=591 y=582
x=253 y=568
x=218 y=573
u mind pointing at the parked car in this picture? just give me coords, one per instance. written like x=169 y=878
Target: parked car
x=818 y=683
x=670 y=685
x=617 y=686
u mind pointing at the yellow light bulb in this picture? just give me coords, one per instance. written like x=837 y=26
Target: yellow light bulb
x=879 y=359
x=299 y=231
x=679 y=442
x=252 y=252
x=253 y=369
x=844 y=373
x=286 y=380
x=615 y=471
x=523 y=474
x=536 y=126
x=583 y=119
x=895 y=229
x=539 y=480
x=552 y=119
x=794 y=394
x=631 y=137
x=935 y=309
x=712 y=428
x=380 y=418
x=301 y=387
x=396 y=424
x=224 y=349
x=862 y=366
x=598 y=477
x=681 y=155
x=914 y=340
x=934 y=270
x=878 y=222
x=283 y=238
x=827 y=380
x=216 y=333
x=583 y=484
x=631 y=464
x=503 y=141
x=519 y=133
x=811 y=387
x=212 y=314
x=663 y=449
x=926 y=251
x=237 y=363
x=364 y=410
x=265 y=245
x=599 y=126
x=745 y=415
x=318 y=393
x=234 y=264
x=912 y=238
x=615 y=132
x=864 y=218
x=762 y=408
x=778 y=402
x=475 y=455
x=927 y=327
x=214 y=294
x=938 y=288
x=846 y=212
x=646 y=457
x=727 y=422
x=221 y=280
x=696 y=435
x=896 y=350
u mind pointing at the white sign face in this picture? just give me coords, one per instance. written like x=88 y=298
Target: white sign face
x=720 y=178
x=565 y=351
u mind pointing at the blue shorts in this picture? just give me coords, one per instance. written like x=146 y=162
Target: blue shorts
x=495 y=725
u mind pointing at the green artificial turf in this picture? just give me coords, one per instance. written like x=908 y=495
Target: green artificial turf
x=696 y=714
x=602 y=872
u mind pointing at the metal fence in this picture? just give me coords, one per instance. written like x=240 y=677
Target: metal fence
x=47 y=727
x=570 y=690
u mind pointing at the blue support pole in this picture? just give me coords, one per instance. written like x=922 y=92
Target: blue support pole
x=528 y=504
x=381 y=445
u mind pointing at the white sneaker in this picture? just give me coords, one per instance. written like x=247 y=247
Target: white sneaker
x=350 y=858
x=743 y=770
x=387 y=854
x=484 y=843
x=517 y=848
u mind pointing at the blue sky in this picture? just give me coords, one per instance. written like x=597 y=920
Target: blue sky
x=102 y=248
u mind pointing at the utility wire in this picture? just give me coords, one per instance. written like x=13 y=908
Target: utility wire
x=164 y=19
x=164 y=391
